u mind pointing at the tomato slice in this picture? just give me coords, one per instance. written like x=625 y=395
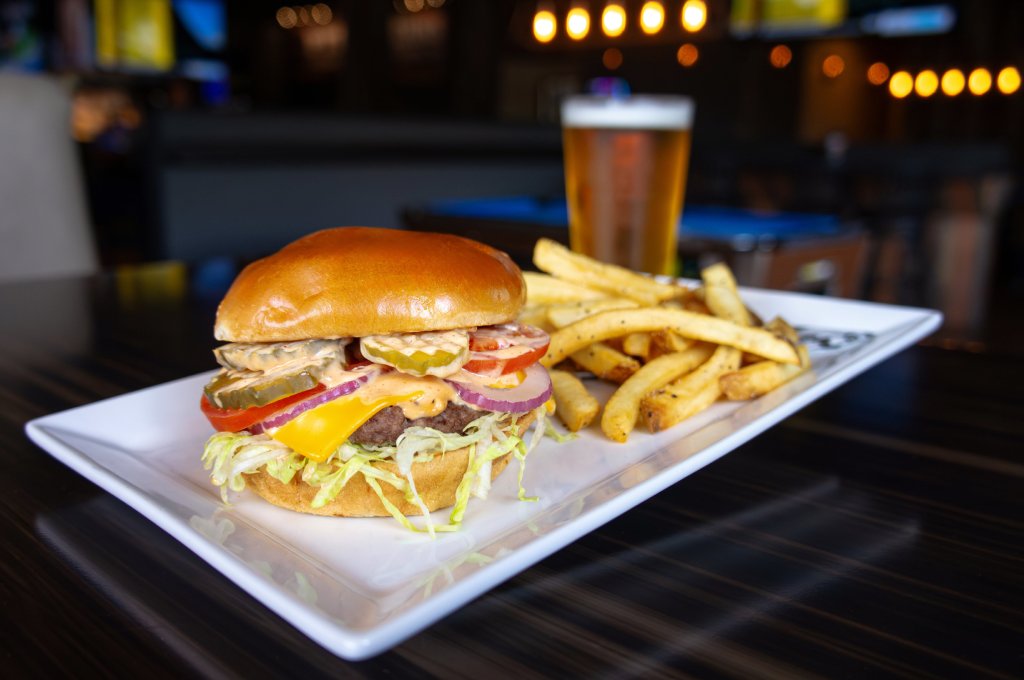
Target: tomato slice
x=506 y=335
x=238 y=419
x=486 y=345
x=490 y=366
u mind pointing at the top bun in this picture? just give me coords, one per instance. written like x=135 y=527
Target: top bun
x=358 y=281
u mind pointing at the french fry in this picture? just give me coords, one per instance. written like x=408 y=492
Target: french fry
x=690 y=394
x=535 y=315
x=543 y=289
x=697 y=306
x=564 y=314
x=554 y=258
x=605 y=362
x=667 y=342
x=760 y=378
x=574 y=405
x=621 y=411
x=692 y=341
x=617 y=323
x=615 y=344
x=637 y=344
x=782 y=329
x=721 y=296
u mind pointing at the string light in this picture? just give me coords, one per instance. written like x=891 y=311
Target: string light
x=687 y=55
x=1008 y=80
x=780 y=56
x=953 y=82
x=979 y=82
x=926 y=83
x=613 y=20
x=901 y=84
x=694 y=15
x=878 y=73
x=652 y=17
x=577 y=23
x=544 y=26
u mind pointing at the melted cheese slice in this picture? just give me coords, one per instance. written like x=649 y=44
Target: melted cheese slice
x=319 y=432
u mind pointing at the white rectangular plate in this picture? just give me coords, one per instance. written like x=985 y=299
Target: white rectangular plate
x=360 y=586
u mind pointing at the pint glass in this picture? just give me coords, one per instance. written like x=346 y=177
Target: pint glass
x=625 y=174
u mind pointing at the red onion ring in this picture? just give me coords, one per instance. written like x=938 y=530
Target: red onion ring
x=365 y=372
x=528 y=395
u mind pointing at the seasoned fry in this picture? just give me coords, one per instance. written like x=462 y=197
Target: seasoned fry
x=721 y=295
x=543 y=289
x=605 y=362
x=690 y=394
x=782 y=329
x=760 y=378
x=621 y=411
x=667 y=342
x=535 y=315
x=556 y=259
x=637 y=344
x=675 y=349
x=567 y=313
x=574 y=405
x=616 y=323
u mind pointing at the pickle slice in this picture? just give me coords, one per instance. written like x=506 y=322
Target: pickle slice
x=418 y=363
x=245 y=389
x=264 y=356
x=436 y=353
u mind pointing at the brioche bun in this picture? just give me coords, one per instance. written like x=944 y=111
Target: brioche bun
x=358 y=281
x=436 y=481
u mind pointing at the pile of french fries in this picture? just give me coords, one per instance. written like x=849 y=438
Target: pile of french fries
x=672 y=349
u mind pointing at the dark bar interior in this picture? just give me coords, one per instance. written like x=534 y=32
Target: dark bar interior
x=851 y=150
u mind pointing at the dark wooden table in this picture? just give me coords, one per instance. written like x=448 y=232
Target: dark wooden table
x=877 y=533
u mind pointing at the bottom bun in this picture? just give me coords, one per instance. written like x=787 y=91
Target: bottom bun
x=436 y=481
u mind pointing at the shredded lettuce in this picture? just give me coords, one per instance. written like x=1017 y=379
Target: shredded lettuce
x=230 y=456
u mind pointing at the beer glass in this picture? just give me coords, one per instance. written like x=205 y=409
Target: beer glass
x=625 y=174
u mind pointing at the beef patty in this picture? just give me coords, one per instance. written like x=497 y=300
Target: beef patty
x=384 y=427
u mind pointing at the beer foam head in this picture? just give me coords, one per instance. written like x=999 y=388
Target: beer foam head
x=644 y=112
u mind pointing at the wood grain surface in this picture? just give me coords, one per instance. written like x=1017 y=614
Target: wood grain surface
x=875 y=534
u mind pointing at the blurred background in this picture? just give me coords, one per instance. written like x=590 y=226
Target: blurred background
x=865 y=148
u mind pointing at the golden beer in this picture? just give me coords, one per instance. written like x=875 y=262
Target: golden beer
x=625 y=175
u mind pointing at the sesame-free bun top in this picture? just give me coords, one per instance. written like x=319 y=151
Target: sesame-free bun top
x=358 y=281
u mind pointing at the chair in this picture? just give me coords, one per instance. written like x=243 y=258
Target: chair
x=44 y=226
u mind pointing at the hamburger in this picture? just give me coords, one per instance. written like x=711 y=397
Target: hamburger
x=373 y=372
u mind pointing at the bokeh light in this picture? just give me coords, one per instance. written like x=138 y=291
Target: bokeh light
x=833 y=66
x=878 y=73
x=322 y=14
x=652 y=17
x=544 y=26
x=694 y=15
x=926 y=83
x=780 y=56
x=577 y=23
x=901 y=84
x=613 y=20
x=953 y=82
x=687 y=55
x=287 y=17
x=979 y=82
x=612 y=58
x=1008 y=80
